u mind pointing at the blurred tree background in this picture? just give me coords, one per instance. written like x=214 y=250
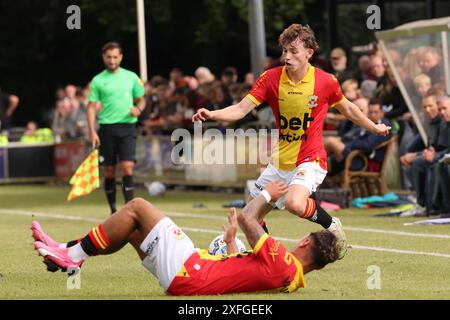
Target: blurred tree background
x=38 y=53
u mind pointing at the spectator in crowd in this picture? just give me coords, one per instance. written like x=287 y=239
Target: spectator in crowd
x=339 y=64
x=430 y=63
x=410 y=68
x=216 y=97
x=163 y=115
x=33 y=134
x=366 y=141
x=364 y=70
x=416 y=148
x=350 y=89
x=422 y=83
x=425 y=168
x=69 y=117
x=177 y=79
x=348 y=131
x=192 y=82
x=249 y=78
x=351 y=92
x=378 y=68
x=393 y=103
x=444 y=166
x=204 y=75
x=270 y=62
x=229 y=76
x=367 y=88
x=8 y=104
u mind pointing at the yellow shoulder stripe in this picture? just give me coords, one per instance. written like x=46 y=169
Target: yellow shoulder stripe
x=260 y=242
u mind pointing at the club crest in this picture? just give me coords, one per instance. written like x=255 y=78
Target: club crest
x=312 y=101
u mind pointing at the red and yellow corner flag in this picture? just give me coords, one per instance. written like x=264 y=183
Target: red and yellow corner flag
x=86 y=179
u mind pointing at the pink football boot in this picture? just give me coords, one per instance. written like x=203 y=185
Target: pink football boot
x=39 y=235
x=56 y=257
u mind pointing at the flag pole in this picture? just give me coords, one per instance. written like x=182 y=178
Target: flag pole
x=142 y=39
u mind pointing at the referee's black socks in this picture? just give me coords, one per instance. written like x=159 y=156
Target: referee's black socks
x=128 y=188
x=110 y=190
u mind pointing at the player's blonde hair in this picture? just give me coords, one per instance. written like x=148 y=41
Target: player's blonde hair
x=297 y=31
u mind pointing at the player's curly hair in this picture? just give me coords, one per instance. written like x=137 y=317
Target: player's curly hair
x=297 y=31
x=325 y=248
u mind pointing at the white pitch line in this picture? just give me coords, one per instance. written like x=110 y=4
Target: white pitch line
x=399 y=233
x=212 y=217
x=77 y=218
x=394 y=232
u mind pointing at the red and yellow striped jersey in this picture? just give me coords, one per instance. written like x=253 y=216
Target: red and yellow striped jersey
x=269 y=267
x=300 y=110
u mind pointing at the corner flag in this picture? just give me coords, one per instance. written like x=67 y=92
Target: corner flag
x=86 y=178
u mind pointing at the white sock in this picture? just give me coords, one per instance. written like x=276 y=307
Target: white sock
x=62 y=245
x=76 y=253
x=332 y=225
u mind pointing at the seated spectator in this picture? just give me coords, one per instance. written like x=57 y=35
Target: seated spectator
x=410 y=68
x=350 y=89
x=368 y=88
x=348 y=131
x=35 y=135
x=378 y=68
x=339 y=64
x=8 y=104
x=430 y=63
x=366 y=141
x=393 y=103
x=425 y=168
x=422 y=83
x=444 y=167
x=416 y=148
x=334 y=119
x=363 y=72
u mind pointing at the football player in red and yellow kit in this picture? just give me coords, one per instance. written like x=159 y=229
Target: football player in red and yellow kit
x=181 y=269
x=299 y=95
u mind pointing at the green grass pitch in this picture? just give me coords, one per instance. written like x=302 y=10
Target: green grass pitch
x=414 y=261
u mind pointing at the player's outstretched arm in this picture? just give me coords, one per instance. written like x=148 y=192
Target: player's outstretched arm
x=354 y=114
x=253 y=213
x=229 y=232
x=229 y=114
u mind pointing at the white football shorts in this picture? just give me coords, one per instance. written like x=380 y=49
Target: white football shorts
x=308 y=174
x=167 y=248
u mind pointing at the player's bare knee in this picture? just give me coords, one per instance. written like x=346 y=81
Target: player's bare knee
x=137 y=203
x=295 y=207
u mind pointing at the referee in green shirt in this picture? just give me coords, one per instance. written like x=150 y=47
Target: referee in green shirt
x=121 y=94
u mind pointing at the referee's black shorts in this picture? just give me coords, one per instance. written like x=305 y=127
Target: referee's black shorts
x=117 y=143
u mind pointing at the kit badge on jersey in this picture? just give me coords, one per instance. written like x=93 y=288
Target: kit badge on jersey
x=312 y=101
